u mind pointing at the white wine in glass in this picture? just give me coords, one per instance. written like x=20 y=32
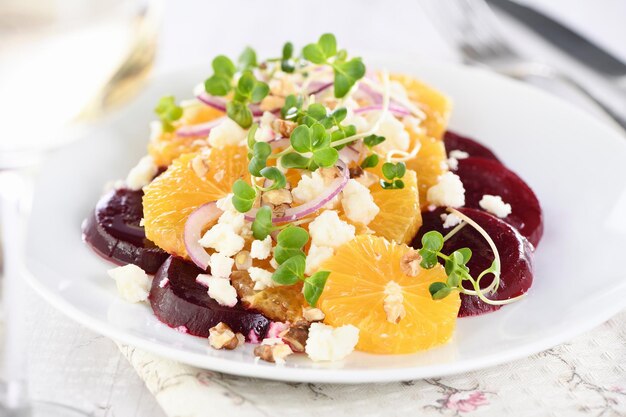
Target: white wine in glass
x=63 y=63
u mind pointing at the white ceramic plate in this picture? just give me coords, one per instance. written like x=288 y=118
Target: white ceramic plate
x=575 y=165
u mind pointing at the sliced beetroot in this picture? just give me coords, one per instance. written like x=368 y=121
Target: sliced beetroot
x=515 y=255
x=482 y=176
x=179 y=301
x=454 y=141
x=113 y=231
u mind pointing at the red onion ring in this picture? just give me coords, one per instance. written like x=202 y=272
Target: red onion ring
x=317 y=87
x=202 y=129
x=196 y=221
x=219 y=103
x=393 y=108
x=312 y=206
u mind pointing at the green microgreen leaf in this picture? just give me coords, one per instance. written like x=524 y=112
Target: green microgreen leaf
x=328 y=44
x=278 y=178
x=432 y=243
x=243 y=196
x=370 y=162
x=293 y=237
x=295 y=160
x=290 y=271
x=224 y=66
x=314 y=53
x=326 y=157
x=168 y=111
x=314 y=286
x=373 y=140
x=291 y=108
x=285 y=63
x=260 y=152
x=262 y=224
x=240 y=113
x=301 y=139
x=439 y=290
x=218 y=85
x=346 y=75
x=251 y=136
x=247 y=59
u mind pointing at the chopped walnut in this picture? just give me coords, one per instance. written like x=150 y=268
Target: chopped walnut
x=312 y=314
x=284 y=127
x=329 y=174
x=273 y=350
x=356 y=172
x=200 y=165
x=277 y=197
x=279 y=210
x=222 y=337
x=393 y=303
x=410 y=263
x=270 y=103
x=296 y=336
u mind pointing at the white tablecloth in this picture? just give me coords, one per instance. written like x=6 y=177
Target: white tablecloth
x=72 y=364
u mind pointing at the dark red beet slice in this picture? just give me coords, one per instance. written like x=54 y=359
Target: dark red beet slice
x=181 y=301
x=113 y=231
x=454 y=141
x=482 y=176
x=515 y=255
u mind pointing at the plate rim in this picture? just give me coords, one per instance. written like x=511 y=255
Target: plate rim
x=339 y=375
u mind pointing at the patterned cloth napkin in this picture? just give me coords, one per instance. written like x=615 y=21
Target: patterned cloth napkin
x=585 y=377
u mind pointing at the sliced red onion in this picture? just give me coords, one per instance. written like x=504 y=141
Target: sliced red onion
x=202 y=129
x=393 y=108
x=219 y=103
x=317 y=87
x=317 y=203
x=196 y=221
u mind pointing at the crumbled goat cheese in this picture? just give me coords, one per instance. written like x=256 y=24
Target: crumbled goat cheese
x=453 y=160
x=142 y=173
x=261 y=277
x=315 y=257
x=457 y=154
x=226 y=203
x=326 y=343
x=358 y=203
x=261 y=249
x=392 y=129
x=265 y=133
x=133 y=284
x=222 y=238
x=393 y=303
x=450 y=220
x=494 y=205
x=448 y=192
x=328 y=230
x=234 y=219
x=156 y=130
x=227 y=133
x=219 y=289
x=310 y=187
x=221 y=265
x=412 y=123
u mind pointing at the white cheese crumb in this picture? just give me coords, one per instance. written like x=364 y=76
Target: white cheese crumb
x=315 y=257
x=261 y=249
x=219 y=289
x=261 y=277
x=494 y=205
x=226 y=203
x=156 y=130
x=310 y=187
x=221 y=265
x=141 y=174
x=227 y=133
x=457 y=154
x=265 y=133
x=358 y=203
x=392 y=129
x=222 y=238
x=133 y=284
x=448 y=192
x=450 y=220
x=326 y=343
x=234 y=219
x=328 y=230
x=163 y=283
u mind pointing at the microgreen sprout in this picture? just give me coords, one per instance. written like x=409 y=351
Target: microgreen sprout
x=168 y=111
x=314 y=141
x=455 y=265
x=393 y=173
x=244 y=196
x=286 y=63
x=347 y=73
x=370 y=161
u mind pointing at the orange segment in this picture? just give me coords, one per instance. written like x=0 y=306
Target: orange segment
x=430 y=160
x=399 y=217
x=172 y=196
x=354 y=294
x=169 y=146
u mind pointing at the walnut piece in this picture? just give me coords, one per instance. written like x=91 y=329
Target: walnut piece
x=277 y=197
x=329 y=174
x=356 y=172
x=410 y=263
x=284 y=127
x=311 y=314
x=393 y=303
x=271 y=102
x=279 y=210
x=273 y=350
x=296 y=336
x=222 y=337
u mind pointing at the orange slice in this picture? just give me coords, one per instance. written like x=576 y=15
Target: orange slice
x=355 y=294
x=399 y=217
x=169 y=146
x=173 y=195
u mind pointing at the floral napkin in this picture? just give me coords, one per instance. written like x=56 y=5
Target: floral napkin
x=585 y=377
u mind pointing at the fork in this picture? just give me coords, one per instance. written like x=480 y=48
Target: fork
x=472 y=28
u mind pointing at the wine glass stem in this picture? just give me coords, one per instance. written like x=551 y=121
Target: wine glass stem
x=16 y=189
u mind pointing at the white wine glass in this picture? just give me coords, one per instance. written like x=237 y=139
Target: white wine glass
x=63 y=63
